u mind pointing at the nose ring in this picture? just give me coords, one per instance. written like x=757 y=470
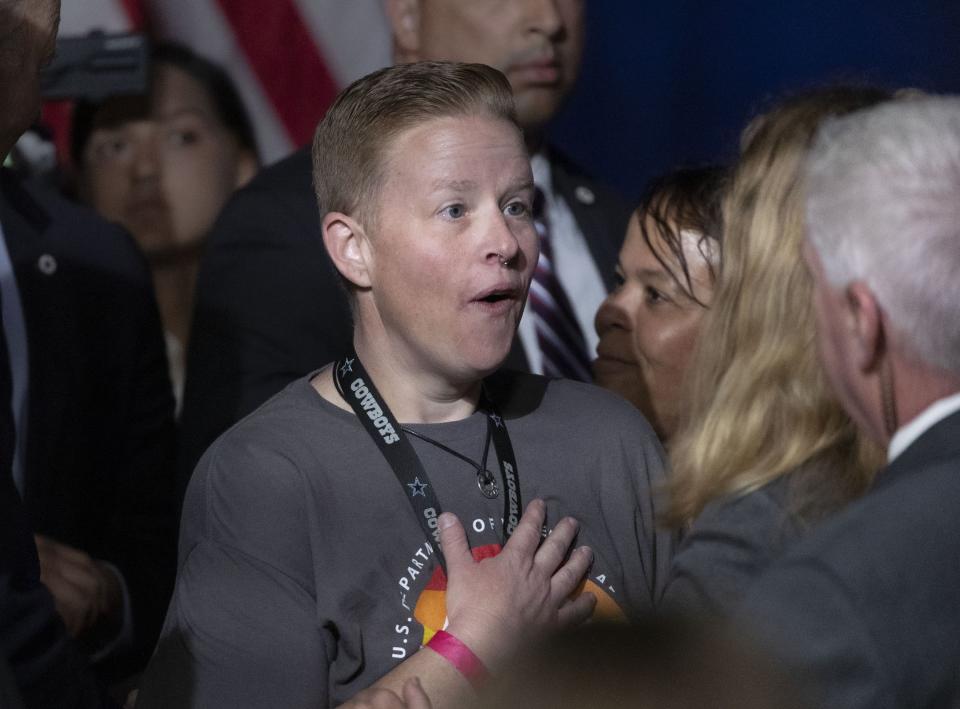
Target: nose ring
x=503 y=259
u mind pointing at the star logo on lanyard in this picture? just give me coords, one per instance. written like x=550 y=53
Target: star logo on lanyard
x=346 y=367
x=497 y=421
x=417 y=488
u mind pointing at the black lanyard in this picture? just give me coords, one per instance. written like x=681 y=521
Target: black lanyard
x=357 y=389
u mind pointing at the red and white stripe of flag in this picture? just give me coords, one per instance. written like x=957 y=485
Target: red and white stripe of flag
x=288 y=57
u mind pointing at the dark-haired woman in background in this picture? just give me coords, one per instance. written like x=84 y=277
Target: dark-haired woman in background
x=649 y=324
x=163 y=165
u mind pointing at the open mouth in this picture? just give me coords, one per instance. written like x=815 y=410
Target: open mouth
x=497 y=296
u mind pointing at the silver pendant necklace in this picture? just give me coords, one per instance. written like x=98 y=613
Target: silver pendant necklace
x=486 y=481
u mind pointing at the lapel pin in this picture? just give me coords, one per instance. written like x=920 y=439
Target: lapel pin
x=47 y=264
x=584 y=195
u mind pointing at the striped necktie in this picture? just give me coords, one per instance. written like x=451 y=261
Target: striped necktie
x=561 y=342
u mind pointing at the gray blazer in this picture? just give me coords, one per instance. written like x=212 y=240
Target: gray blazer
x=866 y=609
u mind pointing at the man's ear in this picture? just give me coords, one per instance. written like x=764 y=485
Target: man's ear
x=866 y=323
x=404 y=17
x=347 y=244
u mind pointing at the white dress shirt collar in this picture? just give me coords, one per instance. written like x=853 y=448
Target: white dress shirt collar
x=933 y=414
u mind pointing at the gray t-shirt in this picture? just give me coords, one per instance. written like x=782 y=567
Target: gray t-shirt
x=304 y=575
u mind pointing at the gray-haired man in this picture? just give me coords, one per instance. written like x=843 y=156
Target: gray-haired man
x=866 y=609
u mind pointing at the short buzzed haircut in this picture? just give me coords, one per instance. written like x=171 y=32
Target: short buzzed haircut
x=352 y=140
x=883 y=206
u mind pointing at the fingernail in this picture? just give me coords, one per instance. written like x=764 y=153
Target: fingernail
x=588 y=551
x=447 y=519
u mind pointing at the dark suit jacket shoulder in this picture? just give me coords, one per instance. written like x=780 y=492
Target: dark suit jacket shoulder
x=268 y=308
x=866 y=608
x=100 y=425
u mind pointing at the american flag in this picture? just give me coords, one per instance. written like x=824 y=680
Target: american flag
x=288 y=57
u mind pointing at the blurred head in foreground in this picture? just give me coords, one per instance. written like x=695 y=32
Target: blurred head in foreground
x=28 y=36
x=658 y=663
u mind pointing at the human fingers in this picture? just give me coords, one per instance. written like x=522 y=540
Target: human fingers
x=69 y=603
x=62 y=560
x=46 y=550
x=56 y=583
x=86 y=579
x=526 y=537
x=414 y=695
x=131 y=699
x=83 y=574
x=453 y=541
x=374 y=698
x=577 y=610
x=566 y=579
x=556 y=546
x=52 y=548
x=74 y=580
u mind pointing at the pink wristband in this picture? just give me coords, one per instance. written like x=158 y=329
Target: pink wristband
x=460 y=656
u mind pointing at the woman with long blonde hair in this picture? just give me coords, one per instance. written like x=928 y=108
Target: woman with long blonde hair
x=766 y=450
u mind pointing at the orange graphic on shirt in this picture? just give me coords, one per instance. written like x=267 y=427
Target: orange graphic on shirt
x=431 y=608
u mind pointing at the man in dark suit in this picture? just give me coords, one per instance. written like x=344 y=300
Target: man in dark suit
x=89 y=398
x=269 y=307
x=39 y=664
x=95 y=437
x=866 y=609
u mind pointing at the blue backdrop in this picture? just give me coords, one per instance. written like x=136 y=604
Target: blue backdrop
x=673 y=82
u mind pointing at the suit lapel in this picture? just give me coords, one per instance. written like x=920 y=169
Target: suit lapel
x=590 y=217
x=48 y=313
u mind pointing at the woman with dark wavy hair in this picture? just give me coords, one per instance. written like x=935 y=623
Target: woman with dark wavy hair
x=665 y=277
